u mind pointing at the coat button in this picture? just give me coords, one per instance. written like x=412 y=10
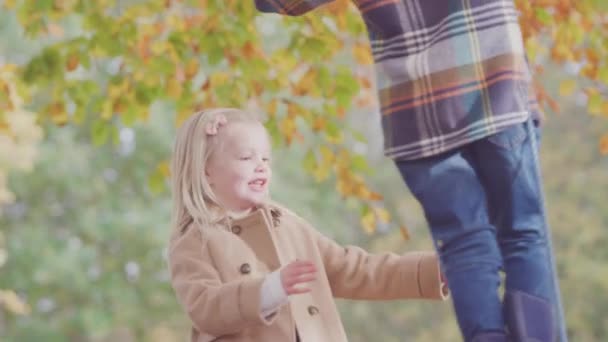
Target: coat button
x=313 y=310
x=245 y=268
x=236 y=230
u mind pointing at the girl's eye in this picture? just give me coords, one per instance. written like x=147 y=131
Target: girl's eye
x=266 y=160
x=245 y=158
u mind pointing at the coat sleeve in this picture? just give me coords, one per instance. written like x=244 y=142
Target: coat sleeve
x=356 y=274
x=289 y=7
x=214 y=307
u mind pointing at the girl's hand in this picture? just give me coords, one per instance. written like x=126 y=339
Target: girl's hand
x=297 y=273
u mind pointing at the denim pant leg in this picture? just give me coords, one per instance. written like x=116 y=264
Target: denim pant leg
x=508 y=168
x=455 y=207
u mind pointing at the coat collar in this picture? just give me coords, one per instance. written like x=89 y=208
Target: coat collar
x=268 y=214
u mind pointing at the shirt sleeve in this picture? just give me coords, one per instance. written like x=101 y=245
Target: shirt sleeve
x=273 y=294
x=289 y=7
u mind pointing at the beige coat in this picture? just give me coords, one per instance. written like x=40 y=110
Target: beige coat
x=217 y=276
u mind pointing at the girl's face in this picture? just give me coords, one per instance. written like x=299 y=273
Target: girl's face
x=239 y=170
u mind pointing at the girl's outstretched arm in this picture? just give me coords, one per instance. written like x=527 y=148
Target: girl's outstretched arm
x=356 y=274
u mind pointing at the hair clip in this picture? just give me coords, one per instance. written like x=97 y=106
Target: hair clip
x=213 y=126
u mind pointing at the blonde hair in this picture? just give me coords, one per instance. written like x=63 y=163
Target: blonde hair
x=193 y=198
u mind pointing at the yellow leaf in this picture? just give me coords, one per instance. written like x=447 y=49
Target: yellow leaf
x=182 y=115
x=158 y=47
x=594 y=105
x=362 y=54
x=163 y=168
x=271 y=108
x=306 y=83
x=107 y=110
x=288 y=128
x=567 y=87
x=383 y=215
x=532 y=48
x=191 y=68
x=4 y=128
x=293 y=110
x=327 y=155
x=117 y=90
x=13 y=303
x=343 y=160
x=368 y=221
x=176 y=23
x=174 y=88
x=603 y=75
x=321 y=172
x=218 y=78
x=9 y=4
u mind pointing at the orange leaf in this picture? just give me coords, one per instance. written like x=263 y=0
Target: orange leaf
x=604 y=144
x=362 y=54
x=319 y=124
x=404 y=233
x=58 y=114
x=72 y=62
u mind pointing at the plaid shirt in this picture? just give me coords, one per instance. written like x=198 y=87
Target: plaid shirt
x=448 y=72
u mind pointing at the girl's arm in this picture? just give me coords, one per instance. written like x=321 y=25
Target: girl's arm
x=289 y=7
x=214 y=307
x=356 y=274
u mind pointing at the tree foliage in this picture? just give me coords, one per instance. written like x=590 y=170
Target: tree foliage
x=104 y=63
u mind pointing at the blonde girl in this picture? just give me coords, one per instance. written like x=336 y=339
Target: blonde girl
x=247 y=269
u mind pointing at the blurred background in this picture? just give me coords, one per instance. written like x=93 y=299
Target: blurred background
x=87 y=123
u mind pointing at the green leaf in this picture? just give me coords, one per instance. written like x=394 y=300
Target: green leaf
x=310 y=161
x=157 y=182
x=130 y=115
x=603 y=75
x=359 y=163
x=543 y=16
x=594 y=106
x=332 y=130
x=100 y=132
x=313 y=49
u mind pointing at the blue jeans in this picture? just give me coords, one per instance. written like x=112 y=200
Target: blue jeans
x=484 y=206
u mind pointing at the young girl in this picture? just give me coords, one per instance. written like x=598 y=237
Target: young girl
x=247 y=269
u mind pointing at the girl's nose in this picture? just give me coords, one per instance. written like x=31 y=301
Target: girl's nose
x=261 y=165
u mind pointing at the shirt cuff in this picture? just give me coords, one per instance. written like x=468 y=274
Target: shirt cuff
x=273 y=294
